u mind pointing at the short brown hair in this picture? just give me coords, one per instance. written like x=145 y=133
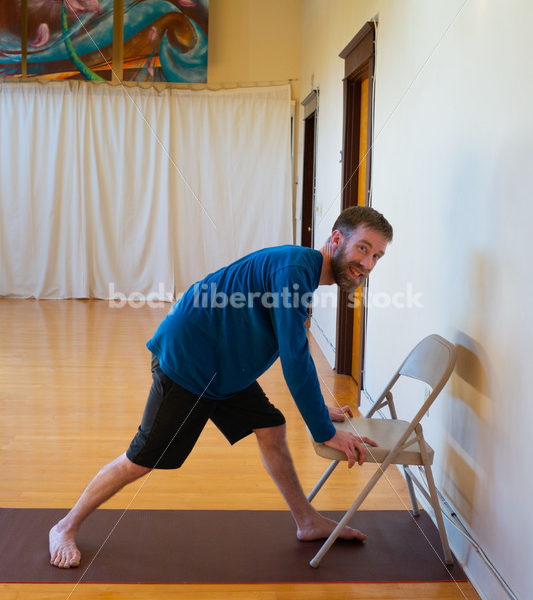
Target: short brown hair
x=350 y=219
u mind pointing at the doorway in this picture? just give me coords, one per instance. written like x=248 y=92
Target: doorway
x=356 y=185
x=310 y=108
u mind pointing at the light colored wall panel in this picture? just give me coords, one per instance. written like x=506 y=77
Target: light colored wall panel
x=451 y=172
x=452 y=156
x=255 y=42
x=327 y=27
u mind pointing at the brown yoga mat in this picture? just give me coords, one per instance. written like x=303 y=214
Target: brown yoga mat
x=226 y=546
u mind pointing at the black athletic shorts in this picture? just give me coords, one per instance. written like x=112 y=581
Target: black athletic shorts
x=174 y=418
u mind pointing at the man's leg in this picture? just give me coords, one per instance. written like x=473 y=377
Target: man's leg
x=108 y=481
x=278 y=462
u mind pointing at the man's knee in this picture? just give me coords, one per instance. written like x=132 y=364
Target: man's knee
x=130 y=469
x=271 y=435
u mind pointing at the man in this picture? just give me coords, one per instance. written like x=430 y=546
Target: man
x=208 y=353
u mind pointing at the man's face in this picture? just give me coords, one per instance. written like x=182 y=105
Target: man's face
x=356 y=256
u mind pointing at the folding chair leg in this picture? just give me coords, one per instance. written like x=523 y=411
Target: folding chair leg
x=448 y=558
x=349 y=514
x=323 y=479
x=411 y=489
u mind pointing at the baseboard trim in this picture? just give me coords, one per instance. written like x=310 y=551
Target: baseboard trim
x=324 y=343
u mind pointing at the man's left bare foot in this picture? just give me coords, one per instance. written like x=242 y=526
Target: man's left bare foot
x=321 y=527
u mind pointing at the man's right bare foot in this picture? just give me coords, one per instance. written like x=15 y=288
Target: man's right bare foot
x=63 y=550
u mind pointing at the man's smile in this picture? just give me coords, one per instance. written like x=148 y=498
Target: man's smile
x=355 y=273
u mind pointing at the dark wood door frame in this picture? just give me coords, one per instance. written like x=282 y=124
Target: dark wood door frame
x=310 y=109
x=359 y=59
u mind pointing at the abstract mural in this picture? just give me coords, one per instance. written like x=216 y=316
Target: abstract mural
x=10 y=39
x=164 y=40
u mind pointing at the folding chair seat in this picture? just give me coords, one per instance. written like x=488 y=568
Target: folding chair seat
x=400 y=442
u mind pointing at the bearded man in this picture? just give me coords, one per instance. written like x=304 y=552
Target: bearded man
x=210 y=349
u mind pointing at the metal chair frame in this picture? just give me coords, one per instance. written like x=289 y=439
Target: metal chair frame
x=432 y=361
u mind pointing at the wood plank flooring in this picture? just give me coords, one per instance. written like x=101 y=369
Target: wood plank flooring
x=74 y=375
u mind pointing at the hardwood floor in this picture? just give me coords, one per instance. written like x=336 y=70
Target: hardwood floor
x=74 y=375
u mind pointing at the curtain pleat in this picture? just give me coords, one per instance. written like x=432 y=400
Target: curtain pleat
x=110 y=191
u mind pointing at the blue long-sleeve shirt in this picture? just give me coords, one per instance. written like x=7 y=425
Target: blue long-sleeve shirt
x=230 y=327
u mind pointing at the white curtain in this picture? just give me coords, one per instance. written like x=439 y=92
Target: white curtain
x=107 y=190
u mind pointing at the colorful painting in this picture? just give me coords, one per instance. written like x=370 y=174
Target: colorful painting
x=67 y=39
x=164 y=40
x=10 y=43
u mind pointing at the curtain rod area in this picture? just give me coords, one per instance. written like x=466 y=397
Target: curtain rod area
x=160 y=86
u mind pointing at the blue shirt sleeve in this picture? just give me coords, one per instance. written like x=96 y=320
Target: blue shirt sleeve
x=288 y=320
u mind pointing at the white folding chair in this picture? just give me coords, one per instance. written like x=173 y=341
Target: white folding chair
x=400 y=442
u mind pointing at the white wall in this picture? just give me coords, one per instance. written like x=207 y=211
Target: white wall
x=452 y=172
x=327 y=26
x=253 y=41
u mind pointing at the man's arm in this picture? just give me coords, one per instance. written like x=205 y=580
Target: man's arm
x=288 y=321
x=300 y=372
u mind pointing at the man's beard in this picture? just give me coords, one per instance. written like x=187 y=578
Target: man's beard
x=341 y=271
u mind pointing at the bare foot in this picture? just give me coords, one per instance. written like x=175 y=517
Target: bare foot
x=63 y=550
x=321 y=528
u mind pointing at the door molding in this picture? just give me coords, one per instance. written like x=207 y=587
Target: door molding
x=359 y=61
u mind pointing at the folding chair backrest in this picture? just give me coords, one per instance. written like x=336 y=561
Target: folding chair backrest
x=432 y=360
